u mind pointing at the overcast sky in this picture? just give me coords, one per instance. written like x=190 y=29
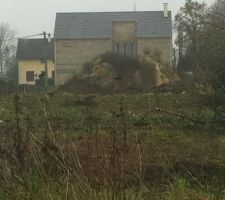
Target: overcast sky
x=29 y=17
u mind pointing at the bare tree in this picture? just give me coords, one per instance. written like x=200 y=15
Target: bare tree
x=7 y=46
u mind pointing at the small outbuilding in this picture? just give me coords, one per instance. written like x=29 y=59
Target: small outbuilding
x=30 y=56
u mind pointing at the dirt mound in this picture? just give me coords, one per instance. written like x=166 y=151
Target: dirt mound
x=112 y=73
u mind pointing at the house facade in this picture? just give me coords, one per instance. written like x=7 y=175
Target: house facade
x=81 y=37
x=30 y=56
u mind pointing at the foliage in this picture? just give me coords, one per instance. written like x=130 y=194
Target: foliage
x=112 y=73
x=66 y=146
x=12 y=69
x=201 y=45
x=120 y=60
x=189 y=25
x=155 y=54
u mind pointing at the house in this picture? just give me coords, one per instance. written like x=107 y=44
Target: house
x=81 y=37
x=30 y=56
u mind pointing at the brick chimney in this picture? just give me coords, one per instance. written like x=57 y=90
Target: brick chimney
x=166 y=13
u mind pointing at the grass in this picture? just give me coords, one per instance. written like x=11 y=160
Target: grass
x=65 y=146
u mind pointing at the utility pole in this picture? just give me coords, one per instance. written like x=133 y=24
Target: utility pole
x=1 y=67
x=180 y=42
x=46 y=58
x=1 y=58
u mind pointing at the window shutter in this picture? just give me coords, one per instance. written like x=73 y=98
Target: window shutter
x=30 y=75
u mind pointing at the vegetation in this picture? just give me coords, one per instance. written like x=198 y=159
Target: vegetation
x=157 y=146
x=162 y=144
x=113 y=73
x=201 y=46
x=7 y=47
x=201 y=41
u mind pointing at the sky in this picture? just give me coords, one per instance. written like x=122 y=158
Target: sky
x=28 y=17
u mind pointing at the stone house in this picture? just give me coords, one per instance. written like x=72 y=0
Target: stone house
x=30 y=57
x=81 y=37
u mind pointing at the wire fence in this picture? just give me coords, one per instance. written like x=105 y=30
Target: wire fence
x=109 y=142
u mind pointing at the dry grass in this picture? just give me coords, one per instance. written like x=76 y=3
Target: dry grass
x=118 y=150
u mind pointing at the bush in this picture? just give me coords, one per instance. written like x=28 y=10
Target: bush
x=155 y=54
x=114 y=73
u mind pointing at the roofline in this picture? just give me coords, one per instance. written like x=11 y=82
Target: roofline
x=85 y=38
x=155 y=37
x=111 y=12
x=32 y=59
x=52 y=38
x=29 y=38
x=109 y=38
x=122 y=21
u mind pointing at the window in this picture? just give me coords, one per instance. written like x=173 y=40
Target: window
x=53 y=74
x=128 y=49
x=30 y=75
x=117 y=48
x=121 y=49
x=67 y=44
x=125 y=49
x=133 y=49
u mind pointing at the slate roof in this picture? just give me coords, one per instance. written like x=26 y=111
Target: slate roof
x=99 y=24
x=29 y=49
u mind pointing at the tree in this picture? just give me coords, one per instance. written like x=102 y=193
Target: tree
x=217 y=16
x=189 y=25
x=7 y=47
x=216 y=60
x=12 y=69
x=201 y=43
x=212 y=43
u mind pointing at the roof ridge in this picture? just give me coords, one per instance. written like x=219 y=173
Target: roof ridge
x=30 y=39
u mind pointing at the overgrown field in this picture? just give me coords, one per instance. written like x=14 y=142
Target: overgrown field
x=150 y=146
